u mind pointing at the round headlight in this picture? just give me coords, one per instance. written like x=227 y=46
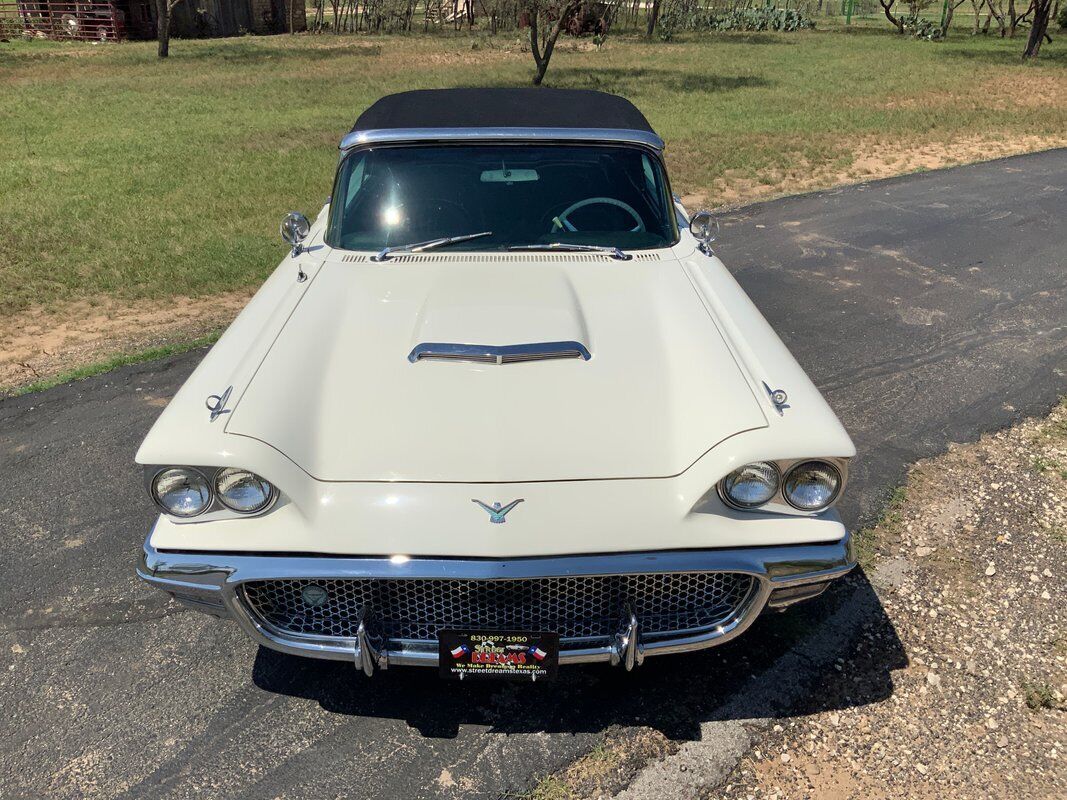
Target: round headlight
x=182 y=492
x=752 y=485
x=243 y=491
x=812 y=485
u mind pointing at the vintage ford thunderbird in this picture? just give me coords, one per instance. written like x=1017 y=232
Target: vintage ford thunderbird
x=499 y=409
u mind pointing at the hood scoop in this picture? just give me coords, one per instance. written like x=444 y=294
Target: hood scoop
x=491 y=354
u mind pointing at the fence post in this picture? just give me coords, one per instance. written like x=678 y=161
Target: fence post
x=848 y=14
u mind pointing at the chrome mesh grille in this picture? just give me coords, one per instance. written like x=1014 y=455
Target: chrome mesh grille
x=575 y=607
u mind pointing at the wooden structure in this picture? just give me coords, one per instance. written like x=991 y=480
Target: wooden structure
x=111 y=20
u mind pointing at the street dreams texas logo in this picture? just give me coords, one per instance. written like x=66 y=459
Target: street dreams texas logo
x=490 y=653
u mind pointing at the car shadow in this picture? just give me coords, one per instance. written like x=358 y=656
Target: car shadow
x=747 y=678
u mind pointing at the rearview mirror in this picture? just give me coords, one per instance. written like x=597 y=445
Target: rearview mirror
x=705 y=227
x=295 y=229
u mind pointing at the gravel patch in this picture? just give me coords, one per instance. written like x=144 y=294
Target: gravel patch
x=968 y=565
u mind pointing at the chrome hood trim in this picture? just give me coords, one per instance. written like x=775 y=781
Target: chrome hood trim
x=491 y=354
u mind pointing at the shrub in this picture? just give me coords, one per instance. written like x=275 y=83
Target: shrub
x=1062 y=19
x=685 y=15
x=920 y=28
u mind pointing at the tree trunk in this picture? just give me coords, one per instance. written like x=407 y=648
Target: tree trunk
x=887 y=7
x=540 y=62
x=1042 y=12
x=653 y=18
x=542 y=55
x=996 y=11
x=292 y=16
x=163 y=28
x=977 y=6
x=950 y=9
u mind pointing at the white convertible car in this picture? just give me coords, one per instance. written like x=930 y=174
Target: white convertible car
x=499 y=409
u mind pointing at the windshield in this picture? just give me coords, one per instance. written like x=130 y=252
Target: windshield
x=521 y=194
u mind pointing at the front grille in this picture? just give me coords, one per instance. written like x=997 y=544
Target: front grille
x=577 y=608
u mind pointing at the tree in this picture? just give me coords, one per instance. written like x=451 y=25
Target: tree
x=946 y=20
x=887 y=7
x=547 y=22
x=1014 y=18
x=996 y=11
x=653 y=18
x=1038 y=28
x=163 y=9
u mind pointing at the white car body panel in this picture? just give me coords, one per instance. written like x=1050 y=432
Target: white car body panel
x=621 y=481
x=337 y=394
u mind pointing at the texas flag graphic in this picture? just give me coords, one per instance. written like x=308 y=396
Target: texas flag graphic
x=537 y=653
x=460 y=651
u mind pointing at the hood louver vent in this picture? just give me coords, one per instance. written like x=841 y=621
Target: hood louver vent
x=489 y=354
x=506 y=258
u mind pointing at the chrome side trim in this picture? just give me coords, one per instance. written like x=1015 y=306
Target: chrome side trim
x=493 y=354
x=396 y=135
x=211 y=580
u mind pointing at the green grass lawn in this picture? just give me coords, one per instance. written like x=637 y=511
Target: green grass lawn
x=128 y=176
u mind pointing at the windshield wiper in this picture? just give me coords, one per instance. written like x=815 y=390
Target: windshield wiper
x=418 y=247
x=614 y=252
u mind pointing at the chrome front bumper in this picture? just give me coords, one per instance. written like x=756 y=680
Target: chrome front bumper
x=210 y=582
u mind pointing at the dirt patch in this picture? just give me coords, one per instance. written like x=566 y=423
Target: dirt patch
x=990 y=89
x=607 y=769
x=871 y=160
x=42 y=343
x=969 y=567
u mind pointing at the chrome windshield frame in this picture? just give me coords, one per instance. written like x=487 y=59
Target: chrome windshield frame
x=400 y=135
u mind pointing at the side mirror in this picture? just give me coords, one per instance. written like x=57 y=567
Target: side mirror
x=705 y=228
x=295 y=229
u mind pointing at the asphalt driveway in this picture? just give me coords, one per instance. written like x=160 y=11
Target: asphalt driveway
x=929 y=309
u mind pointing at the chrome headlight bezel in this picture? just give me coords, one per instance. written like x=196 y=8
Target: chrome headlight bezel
x=724 y=492
x=153 y=490
x=215 y=508
x=780 y=503
x=833 y=496
x=220 y=495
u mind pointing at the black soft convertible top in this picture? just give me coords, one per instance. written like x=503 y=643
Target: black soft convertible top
x=502 y=108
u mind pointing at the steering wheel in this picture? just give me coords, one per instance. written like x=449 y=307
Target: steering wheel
x=561 y=222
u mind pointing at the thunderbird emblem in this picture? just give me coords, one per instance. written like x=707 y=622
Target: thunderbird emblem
x=496 y=512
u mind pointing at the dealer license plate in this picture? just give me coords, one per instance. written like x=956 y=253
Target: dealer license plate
x=514 y=655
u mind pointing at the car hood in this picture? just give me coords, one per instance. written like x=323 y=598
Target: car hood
x=338 y=395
